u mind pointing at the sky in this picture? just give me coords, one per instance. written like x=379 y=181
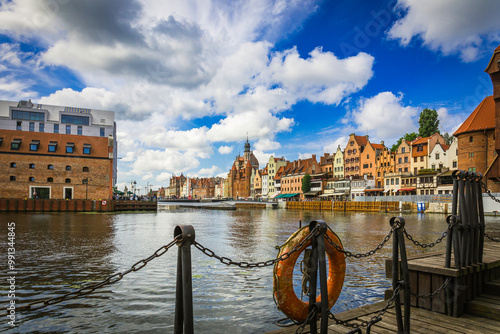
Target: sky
x=190 y=81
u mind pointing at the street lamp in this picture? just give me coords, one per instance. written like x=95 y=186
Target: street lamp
x=86 y=181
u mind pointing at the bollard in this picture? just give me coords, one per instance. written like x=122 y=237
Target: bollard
x=183 y=322
x=318 y=261
x=403 y=281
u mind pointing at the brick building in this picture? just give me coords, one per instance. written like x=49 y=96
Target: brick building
x=240 y=174
x=369 y=158
x=476 y=141
x=291 y=179
x=492 y=174
x=56 y=152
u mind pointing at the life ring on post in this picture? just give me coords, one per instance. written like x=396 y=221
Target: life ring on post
x=284 y=294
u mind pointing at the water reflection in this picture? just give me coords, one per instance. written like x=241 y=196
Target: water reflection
x=59 y=252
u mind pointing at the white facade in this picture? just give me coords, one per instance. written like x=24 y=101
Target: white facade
x=338 y=163
x=452 y=154
x=265 y=183
x=358 y=186
x=437 y=158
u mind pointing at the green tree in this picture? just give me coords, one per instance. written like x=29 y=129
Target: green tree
x=428 y=122
x=408 y=137
x=448 y=138
x=306 y=183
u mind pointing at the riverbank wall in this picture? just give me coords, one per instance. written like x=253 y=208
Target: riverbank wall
x=73 y=205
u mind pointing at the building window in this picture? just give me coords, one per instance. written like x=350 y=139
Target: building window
x=51 y=167
x=454 y=164
x=73 y=119
x=406 y=159
x=420 y=148
x=406 y=169
x=86 y=148
x=52 y=146
x=68 y=167
x=12 y=178
x=31 y=179
x=32 y=126
x=49 y=179
x=421 y=159
x=79 y=130
x=32 y=166
x=415 y=159
x=472 y=169
x=70 y=148
x=85 y=169
x=433 y=167
x=415 y=170
x=471 y=154
x=68 y=129
x=101 y=130
x=437 y=156
x=387 y=182
x=34 y=145
x=15 y=144
x=397 y=182
x=471 y=139
x=12 y=165
x=56 y=128
x=67 y=181
x=19 y=126
x=400 y=160
x=403 y=149
x=28 y=115
x=41 y=127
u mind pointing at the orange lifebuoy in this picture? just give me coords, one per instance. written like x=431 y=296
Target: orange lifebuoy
x=284 y=294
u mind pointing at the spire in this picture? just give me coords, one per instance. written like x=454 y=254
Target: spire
x=247 y=145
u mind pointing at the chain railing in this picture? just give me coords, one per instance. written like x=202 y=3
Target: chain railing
x=86 y=290
x=432 y=294
x=359 y=255
x=431 y=244
x=488 y=192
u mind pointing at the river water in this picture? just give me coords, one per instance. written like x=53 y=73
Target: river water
x=58 y=253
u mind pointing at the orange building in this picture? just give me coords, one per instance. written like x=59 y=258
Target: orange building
x=291 y=179
x=352 y=155
x=369 y=158
x=386 y=163
x=240 y=174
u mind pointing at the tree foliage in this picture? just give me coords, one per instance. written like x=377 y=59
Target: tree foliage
x=448 y=138
x=408 y=137
x=306 y=183
x=428 y=122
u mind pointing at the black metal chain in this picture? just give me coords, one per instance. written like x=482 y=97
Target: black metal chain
x=491 y=238
x=373 y=319
x=360 y=255
x=311 y=317
x=36 y=305
x=432 y=294
x=489 y=193
x=429 y=245
x=229 y=262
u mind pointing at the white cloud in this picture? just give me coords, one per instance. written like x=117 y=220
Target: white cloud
x=385 y=117
x=450 y=26
x=225 y=149
x=166 y=160
x=305 y=155
x=267 y=144
x=332 y=146
x=164 y=177
x=206 y=172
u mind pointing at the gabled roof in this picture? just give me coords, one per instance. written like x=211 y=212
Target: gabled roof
x=377 y=146
x=482 y=118
x=361 y=140
x=420 y=140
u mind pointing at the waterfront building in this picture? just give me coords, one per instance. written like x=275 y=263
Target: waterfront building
x=56 y=152
x=476 y=142
x=352 y=155
x=452 y=155
x=226 y=188
x=342 y=189
x=273 y=166
x=420 y=150
x=403 y=157
x=241 y=172
x=175 y=186
x=385 y=163
x=492 y=173
x=437 y=157
x=277 y=181
x=318 y=182
x=257 y=182
x=369 y=158
x=359 y=186
x=445 y=182
x=291 y=179
x=265 y=184
x=326 y=163
x=329 y=189
x=426 y=182
x=338 y=163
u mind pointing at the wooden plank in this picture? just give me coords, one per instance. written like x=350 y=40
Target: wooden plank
x=424 y=287
x=438 y=300
x=414 y=287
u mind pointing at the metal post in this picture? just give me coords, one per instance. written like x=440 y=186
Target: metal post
x=323 y=277
x=470 y=219
x=449 y=239
x=395 y=277
x=463 y=220
x=313 y=277
x=481 y=216
x=183 y=322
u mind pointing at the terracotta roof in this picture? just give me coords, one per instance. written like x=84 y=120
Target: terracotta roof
x=362 y=140
x=420 y=141
x=445 y=147
x=378 y=146
x=482 y=118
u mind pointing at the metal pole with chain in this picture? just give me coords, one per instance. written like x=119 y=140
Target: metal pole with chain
x=183 y=322
x=481 y=216
x=463 y=220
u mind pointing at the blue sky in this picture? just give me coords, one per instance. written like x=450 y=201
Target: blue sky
x=189 y=79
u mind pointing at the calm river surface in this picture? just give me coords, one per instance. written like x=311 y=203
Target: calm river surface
x=56 y=253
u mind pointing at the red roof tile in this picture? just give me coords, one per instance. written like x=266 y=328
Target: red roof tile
x=362 y=140
x=482 y=118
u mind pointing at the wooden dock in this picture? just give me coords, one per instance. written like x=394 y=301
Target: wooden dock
x=478 y=304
